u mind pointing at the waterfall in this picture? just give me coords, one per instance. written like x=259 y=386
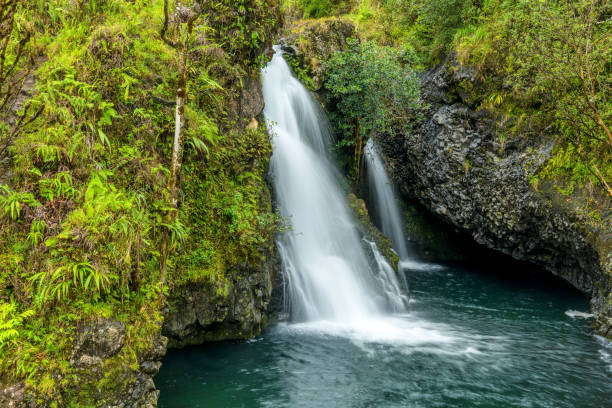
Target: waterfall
x=381 y=195
x=386 y=211
x=332 y=273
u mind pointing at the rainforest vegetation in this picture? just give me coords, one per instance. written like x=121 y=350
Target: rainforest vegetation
x=89 y=204
x=543 y=69
x=127 y=169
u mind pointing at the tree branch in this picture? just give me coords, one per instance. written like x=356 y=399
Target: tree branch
x=163 y=101
x=165 y=27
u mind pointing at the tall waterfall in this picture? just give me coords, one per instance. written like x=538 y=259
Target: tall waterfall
x=331 y=276
x=381 y=192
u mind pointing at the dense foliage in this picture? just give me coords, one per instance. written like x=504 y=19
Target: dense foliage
x=546 y=69
x=85 y=153
x=542 y=70
x=317 y=8
x=371 y=92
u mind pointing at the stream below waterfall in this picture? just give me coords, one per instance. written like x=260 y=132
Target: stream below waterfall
x=354 y=338
x=469 y=340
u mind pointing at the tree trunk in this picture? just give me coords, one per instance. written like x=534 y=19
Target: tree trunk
x=177 y=150
x=358 y=147
x=602 y=179
x=179 y=125
x=184 y=17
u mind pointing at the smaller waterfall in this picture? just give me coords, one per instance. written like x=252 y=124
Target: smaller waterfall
x=386 y=210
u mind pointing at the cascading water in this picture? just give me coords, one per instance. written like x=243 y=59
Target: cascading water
x=467 y=340
x=386 y=210
x=330 y=276
x=381 y=192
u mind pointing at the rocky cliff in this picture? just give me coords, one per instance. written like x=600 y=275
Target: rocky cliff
x=198 y=312
x=457 y=166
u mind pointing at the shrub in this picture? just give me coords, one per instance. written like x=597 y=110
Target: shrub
x=371 y=92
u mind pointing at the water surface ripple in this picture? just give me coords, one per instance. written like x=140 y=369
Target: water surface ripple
x=468 y=340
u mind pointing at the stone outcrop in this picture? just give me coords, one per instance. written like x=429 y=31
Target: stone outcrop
x=98 y=358
x=140 y=391
x=97 y=352
x=97 y=341
x=370 y=232
x=313 y=42
x=15 y=397
x=201 y=312
x=457 y=166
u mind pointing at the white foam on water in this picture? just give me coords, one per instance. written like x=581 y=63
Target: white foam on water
x=411 y=265
x=576 y=314
x=605 y=352
x=406 y=334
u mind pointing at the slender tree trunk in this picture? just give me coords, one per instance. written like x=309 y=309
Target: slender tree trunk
x=182 y=46
x=179 y=126
x=358 y=147
x=177 y=153
x=602 y=179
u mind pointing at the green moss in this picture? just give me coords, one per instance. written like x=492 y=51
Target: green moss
x=383 y=243
x=227 y=208
x=81 y=234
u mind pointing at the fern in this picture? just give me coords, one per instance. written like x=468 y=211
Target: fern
x=11 y=202
x=10 y=322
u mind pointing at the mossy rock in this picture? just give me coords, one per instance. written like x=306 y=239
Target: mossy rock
x=315 y=41
x=384 y=244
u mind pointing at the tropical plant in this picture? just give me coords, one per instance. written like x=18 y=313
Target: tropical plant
x=10 y=322
x=12 y=202
x=371 y=93
x=72 y=276
x=36 y=234
x=551 y=60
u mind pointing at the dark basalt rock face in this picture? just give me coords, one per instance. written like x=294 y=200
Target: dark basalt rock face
x=201 y=312
x=457 y=167
x=140 y=391
x=97 y=341
x=97 y=352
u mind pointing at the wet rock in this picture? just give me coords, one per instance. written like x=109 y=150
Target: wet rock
x=139 y=390
x=97 y=352
x=97 y=341
x=370 y=232
x=457 y=167
x=248 y=103
x=14 y=397
x=201 y=312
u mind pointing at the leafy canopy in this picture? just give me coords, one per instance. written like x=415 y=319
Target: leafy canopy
x=371 y=92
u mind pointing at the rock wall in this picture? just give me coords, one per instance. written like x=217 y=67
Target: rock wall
x=199 y=313
x=202 y=311
x=457 y=167
x=97 y=358
x=313 y=42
